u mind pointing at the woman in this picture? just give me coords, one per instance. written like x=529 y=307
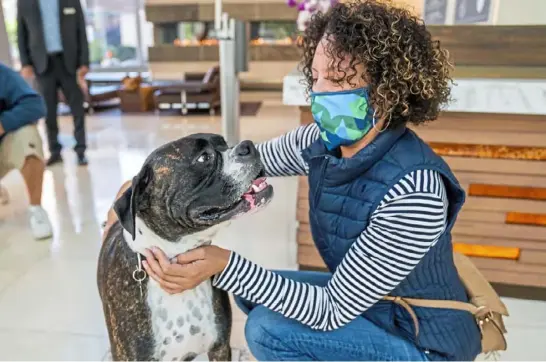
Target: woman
x=382 y=205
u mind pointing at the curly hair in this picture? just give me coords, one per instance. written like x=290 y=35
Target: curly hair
x=408 y=72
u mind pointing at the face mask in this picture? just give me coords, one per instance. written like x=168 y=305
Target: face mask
x=343 y=117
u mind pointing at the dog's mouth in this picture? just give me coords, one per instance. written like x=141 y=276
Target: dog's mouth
x=258 y=195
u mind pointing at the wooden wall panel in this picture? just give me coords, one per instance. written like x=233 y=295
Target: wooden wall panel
x=523 y=244
x=533 y=257
x=525 y=219
x=208 y=53
x=488 y=251
x=506 y=194
x=512 y=192
x=257 y=11
x=477 y=45
x=514 y=278
x=490 y=151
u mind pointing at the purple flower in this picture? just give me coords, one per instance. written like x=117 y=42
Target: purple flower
x=291 y=3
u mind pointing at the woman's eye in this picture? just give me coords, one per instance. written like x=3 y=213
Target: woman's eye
x=203 y=158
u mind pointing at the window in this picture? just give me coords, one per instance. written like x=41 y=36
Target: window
x=273 y=32
x=117 y=32
x=187 y=33
x=10 y=19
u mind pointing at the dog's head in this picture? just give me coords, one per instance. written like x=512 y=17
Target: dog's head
x=192 y=184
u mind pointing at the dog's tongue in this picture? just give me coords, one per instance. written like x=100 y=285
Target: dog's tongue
x=256 y=186
x=259 y=181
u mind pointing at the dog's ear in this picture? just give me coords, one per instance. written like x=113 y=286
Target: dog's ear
x=126 y=206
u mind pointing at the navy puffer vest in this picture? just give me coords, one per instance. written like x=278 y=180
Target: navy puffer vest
x=343 y=194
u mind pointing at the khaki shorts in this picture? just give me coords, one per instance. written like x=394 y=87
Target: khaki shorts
x=16 y=146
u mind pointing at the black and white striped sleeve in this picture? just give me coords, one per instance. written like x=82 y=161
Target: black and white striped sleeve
x=281 y=156
x=406 y=224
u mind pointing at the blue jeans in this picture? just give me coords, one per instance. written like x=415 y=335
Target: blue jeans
x=273 y=337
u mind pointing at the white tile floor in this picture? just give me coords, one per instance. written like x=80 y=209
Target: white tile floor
x=49 y=305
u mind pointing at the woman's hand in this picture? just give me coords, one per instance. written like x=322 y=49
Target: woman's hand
x=185 y=271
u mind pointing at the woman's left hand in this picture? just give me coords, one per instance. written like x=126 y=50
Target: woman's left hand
x=187 y=270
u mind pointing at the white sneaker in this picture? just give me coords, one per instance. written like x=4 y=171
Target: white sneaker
x=39 y=223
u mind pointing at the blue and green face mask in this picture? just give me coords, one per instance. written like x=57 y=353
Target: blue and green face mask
x=343 y=117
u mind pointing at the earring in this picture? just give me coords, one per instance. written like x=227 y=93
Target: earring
x=374 y=123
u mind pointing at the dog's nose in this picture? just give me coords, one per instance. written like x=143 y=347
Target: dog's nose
x=245 y=149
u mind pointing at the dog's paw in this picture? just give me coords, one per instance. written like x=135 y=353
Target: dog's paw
x=240 y=354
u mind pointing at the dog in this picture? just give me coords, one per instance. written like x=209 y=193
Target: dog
x=184 y=193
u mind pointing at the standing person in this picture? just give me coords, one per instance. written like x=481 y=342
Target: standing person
x=53 y=46
x=21 y=146
x=382 y=205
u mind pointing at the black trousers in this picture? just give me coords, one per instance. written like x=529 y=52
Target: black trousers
x=56 y=76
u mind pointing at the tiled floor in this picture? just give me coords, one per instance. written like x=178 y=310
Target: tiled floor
x=49 y=305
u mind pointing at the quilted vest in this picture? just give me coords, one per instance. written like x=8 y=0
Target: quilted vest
x=343 y=194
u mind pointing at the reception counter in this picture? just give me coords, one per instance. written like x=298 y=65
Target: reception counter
x=493 y=136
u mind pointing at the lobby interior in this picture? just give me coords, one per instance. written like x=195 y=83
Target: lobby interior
x=493 y=135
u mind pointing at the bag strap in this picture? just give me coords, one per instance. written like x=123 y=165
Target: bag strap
x=407 y=304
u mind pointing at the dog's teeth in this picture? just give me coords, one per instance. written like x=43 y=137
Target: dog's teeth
x=255 y=188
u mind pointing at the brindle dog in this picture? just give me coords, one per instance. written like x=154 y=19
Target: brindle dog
x=185 y=192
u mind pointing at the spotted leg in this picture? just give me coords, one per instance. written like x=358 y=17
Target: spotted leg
x=221 y=350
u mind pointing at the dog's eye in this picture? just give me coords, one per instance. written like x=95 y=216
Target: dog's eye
x=203 y=158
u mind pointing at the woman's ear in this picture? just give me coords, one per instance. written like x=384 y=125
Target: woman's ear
x=126 y=206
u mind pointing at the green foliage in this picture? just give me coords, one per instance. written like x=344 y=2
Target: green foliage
x=11 y=29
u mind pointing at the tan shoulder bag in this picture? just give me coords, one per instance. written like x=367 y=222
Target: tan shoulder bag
x=485 y=305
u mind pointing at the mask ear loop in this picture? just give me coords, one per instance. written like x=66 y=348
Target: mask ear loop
x=374 y=123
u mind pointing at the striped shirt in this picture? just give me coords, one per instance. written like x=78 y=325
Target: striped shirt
x=406 y=224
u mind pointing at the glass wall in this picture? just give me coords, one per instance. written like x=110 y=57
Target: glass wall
x=273 y=32
x=117 y=32
x=187 y=33
x=202 y=33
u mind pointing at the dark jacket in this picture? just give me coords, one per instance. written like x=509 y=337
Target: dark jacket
x=343 y=194
x=20 y=105
x=32 y=48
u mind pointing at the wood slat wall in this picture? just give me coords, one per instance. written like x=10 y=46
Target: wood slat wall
x=256 y=11
x=504 y=176
x=494 y=45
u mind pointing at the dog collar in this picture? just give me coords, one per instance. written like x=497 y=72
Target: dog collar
x=139 y=274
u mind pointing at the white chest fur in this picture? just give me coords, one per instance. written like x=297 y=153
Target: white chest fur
x=146 y=238
x=182 y=323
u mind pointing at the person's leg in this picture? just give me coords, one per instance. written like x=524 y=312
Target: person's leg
x=273 y=337
x=74 y=96
x=23 y=150
x=33 y=173
x=311 y=277
x=48 y=85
